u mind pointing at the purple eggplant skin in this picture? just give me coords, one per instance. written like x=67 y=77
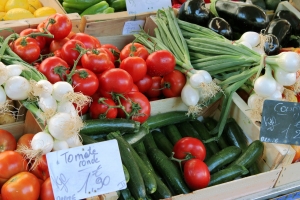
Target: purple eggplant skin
x=242 y=16
x=281 y=28
x=220 y=26
x=194 y=11
x=290 y=17
x=272 y=46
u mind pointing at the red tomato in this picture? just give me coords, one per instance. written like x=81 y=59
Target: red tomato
x=69 y=52
x=46 y=190
x=11 y=163
x=83 y=110
x=134 y=49
x=54 y=68
x=108 y=52
x=97 y=61
x=115 y=50
x=59 y=25
x=40 y=39
x=134 y=88
x=189 y=145
x=160 y=63
x=23 y=185
x=155 y=89
x=116 y=80
x=196 y=174
x=7 y=141
x=41 y=171
x=182 y=1
x=103 y=108
x=137 y=105
x=144 y=84
x=172 y=84
x=97 y=43
x=25 y=140
x=27 y=48
x=86 y=39
x=135 y=66
x=57 y=44
x=85 y=81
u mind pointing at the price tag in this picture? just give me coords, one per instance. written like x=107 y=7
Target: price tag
x=142 y=6
x=131 y=27
x=86 y=171
x=280 y=122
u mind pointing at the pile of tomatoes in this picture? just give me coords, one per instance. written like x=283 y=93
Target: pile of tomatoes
x=120 y=82
x=18 y=179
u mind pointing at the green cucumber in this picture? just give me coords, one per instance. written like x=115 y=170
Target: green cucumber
x=162 y=142
x=149 y=142
x=126 y=173
x=167 y=169
x=235 y=135
x=87 y=139
x=210 y=123
x=100 y=126
x=172 y=133
x=204 y=135
x=253 y=152
x=126 y=194
x=164 y=119
x=222 y=158
x=136 y=183
x=227 y=174
x=135 y=138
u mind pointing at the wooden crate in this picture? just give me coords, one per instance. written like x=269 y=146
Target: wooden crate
x=290 y=173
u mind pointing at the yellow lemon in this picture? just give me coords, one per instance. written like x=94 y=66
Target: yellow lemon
x=10 y=4
x=34 y=5
x=2 y=5
x=18 y=13
x=2 y=16
x=44 y=11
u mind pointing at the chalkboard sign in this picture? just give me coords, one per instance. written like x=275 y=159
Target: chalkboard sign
x=280 y=122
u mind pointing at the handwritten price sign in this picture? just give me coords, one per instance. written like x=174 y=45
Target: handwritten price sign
x=142 y=6
x=86 y=171
x=280 y=122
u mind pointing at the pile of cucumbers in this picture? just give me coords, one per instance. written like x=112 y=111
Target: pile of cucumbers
x=146 y=150
x=91 y=7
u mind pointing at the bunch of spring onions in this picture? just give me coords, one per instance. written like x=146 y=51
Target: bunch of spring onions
x=231 y=62
x=51 y=104
x=200 y=88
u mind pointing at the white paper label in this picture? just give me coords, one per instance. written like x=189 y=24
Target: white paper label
x=142 y=6
x=131 y=27
x=86 y=171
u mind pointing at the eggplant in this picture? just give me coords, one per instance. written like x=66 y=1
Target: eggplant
x=220 y=26
x=290 y=17
x=194 y=11
x=241 y=16
x=272 y=46
x=281 y=28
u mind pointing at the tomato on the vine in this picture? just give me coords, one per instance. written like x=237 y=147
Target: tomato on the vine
x=134 y=49
x=135 y=66
x=7 y=141
x=155 y=89
x=160 y=63
x=59 y=25
x=196 y=174
x=103 y=107
x=86 y=39
x=97 y=60
x=54 y=68
x=116 y=80
x=11 y=163
x=144 y=84
x=57 y=44
x=172 y=84
x=23 y=185
x=137 y=105
x=115 y=50
x=85 y=81
x=189 y=145
x=70 y=51
x=41 y=40
x=27 y=48
x=47 y=190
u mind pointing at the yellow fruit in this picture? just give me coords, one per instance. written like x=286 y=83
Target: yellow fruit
x=44 y=11
x=10 y=4
x=2 y=16
x=2 y=5
x=34 y=5
x=18 y=13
